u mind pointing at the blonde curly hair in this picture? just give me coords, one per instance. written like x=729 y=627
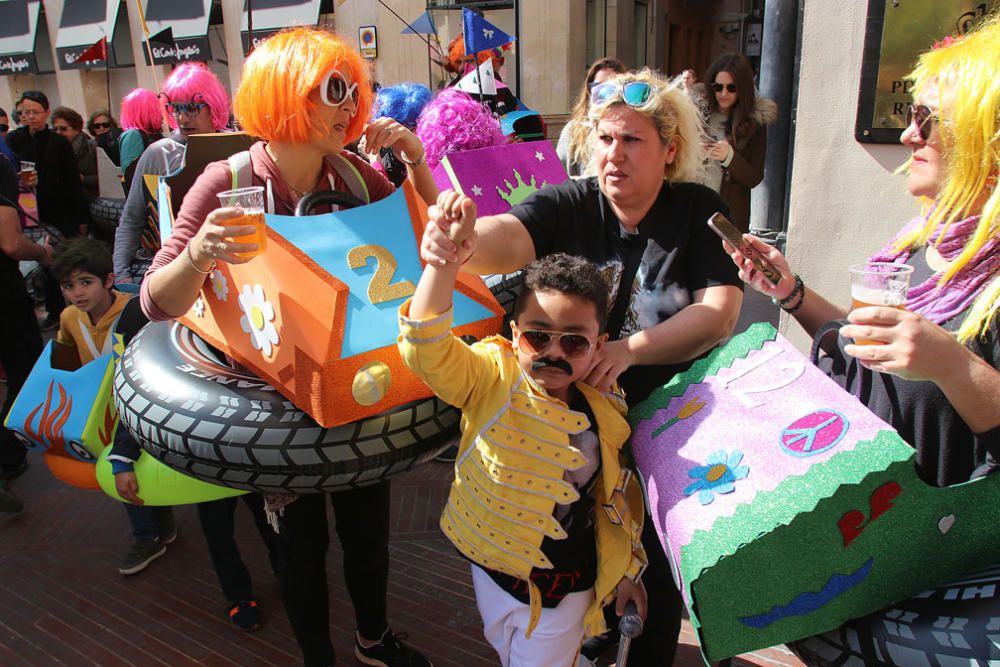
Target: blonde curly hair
x=676 y=118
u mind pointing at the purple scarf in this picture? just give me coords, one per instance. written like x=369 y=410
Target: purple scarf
x=940 y=304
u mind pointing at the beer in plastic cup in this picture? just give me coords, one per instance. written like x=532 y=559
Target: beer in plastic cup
x=27 y=167
x=251 y=200
x=879 y=284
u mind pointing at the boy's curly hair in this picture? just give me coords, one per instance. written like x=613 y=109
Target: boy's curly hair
x=83 y=253
x=566 y=274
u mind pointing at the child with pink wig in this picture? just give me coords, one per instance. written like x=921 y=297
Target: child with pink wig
x=453 y=122
x=142 y=120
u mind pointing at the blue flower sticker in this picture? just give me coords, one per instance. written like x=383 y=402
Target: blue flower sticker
x=718 y=475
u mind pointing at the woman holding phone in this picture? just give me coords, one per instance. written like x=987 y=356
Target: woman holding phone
x=934 y=374
x=737 y=122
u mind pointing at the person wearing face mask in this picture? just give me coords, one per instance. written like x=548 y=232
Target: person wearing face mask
x=737 y=120
x=306 y=94
x=196 y=103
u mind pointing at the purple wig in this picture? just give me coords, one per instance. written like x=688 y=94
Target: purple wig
x=453 y=122
x=402 y=102
x=194 y=82
x=141 y=111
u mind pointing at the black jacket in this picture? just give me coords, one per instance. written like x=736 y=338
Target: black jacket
x=61 y=202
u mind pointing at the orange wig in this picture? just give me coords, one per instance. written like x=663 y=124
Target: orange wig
x=273 y=102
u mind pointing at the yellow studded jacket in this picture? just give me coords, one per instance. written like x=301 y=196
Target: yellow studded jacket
x=514 y=453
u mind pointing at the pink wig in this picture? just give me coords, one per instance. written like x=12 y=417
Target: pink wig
x=194 y=82
x=453 y=122
x=141 y=111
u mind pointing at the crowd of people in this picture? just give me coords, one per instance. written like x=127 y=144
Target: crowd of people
x=624 y=287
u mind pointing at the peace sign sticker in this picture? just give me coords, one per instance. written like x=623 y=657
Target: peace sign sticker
x=815 y=433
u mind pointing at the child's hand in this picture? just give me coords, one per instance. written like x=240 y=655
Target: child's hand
x=127 y=487
x=630 y=590
x=450 y=235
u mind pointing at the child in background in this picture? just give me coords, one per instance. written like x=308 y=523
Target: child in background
x=84 y=270
x=542 y=503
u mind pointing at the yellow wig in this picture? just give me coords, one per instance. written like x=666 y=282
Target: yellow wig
x=966 y=70
x=273 y=102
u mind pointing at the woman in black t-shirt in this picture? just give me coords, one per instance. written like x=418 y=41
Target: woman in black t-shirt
x=675 y=294
x=935 y=378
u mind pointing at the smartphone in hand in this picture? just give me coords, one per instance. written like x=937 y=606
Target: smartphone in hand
x=727 y=232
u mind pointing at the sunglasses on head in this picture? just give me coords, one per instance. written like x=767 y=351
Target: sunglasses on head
x=924 y=117
x=718 y=87
x=186 y=109
x=573 y=345
x=334 y=90
x=634 y=93
x=101 y=126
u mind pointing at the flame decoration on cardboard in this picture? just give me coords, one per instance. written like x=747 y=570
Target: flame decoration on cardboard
x=802 y=544
x=500 y=177
x=334 y=284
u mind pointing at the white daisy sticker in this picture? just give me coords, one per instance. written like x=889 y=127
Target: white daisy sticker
x=258 y=319
x=199 y=307
x=220 y=285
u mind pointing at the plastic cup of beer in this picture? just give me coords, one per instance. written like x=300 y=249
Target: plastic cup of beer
x=251 y=200
x=879 y=284
x=27 y=172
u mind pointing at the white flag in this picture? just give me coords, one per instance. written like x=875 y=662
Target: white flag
x=470 y=82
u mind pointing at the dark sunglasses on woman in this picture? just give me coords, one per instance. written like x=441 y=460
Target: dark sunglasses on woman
x=634 y=93
x=925 y=118
x=101 y=126
x=573 y=345
x=717 y=87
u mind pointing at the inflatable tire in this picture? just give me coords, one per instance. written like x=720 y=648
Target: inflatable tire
x=198 y=415
x=950 y=625
x=104 y=214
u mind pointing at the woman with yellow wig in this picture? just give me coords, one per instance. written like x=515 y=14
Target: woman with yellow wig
x=306 y=94
x=934 y=377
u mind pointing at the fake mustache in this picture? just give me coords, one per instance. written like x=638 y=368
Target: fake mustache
x=546 y=362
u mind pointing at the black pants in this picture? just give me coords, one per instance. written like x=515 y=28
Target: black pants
x=362 y=517
x=217 y=525
x=20 y=347
x=54 y=302
x=658 y=643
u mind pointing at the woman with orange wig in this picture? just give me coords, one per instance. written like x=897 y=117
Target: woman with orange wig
x=306 y=94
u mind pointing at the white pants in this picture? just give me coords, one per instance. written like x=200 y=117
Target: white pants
x=555 y=641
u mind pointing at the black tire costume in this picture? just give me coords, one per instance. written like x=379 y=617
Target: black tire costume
x=953 y=624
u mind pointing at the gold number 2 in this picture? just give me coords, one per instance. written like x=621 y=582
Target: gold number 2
x=379 y=289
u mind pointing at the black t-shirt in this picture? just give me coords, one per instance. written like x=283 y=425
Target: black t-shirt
x=680 y=254
x=574 y=558
x=948 y=452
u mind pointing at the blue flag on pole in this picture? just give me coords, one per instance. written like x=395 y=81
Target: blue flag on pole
x=480 y=34
x=423 y=25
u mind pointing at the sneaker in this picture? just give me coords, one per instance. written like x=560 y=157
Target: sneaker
x=168 y=527
x=245 y=615
x=389 y=652
x=140 y=556
x=9 y=502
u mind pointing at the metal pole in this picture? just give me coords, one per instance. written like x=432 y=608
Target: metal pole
x=777 y=73
x=517 y=40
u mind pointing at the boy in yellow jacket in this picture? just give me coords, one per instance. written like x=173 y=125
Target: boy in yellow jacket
x=541 y=502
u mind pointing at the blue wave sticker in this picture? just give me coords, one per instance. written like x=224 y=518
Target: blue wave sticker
x=806 y=603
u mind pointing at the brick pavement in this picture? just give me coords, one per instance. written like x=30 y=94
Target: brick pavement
x=62 y=601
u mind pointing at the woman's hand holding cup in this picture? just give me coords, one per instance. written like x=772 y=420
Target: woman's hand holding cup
x=215 y=240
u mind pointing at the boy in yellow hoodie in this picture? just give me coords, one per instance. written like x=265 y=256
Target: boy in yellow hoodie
x=542 y=503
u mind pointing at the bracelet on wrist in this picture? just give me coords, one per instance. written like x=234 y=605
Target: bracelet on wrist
x=204 y=272
x=796 y=290
x=798 y=304
x=414 y=163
